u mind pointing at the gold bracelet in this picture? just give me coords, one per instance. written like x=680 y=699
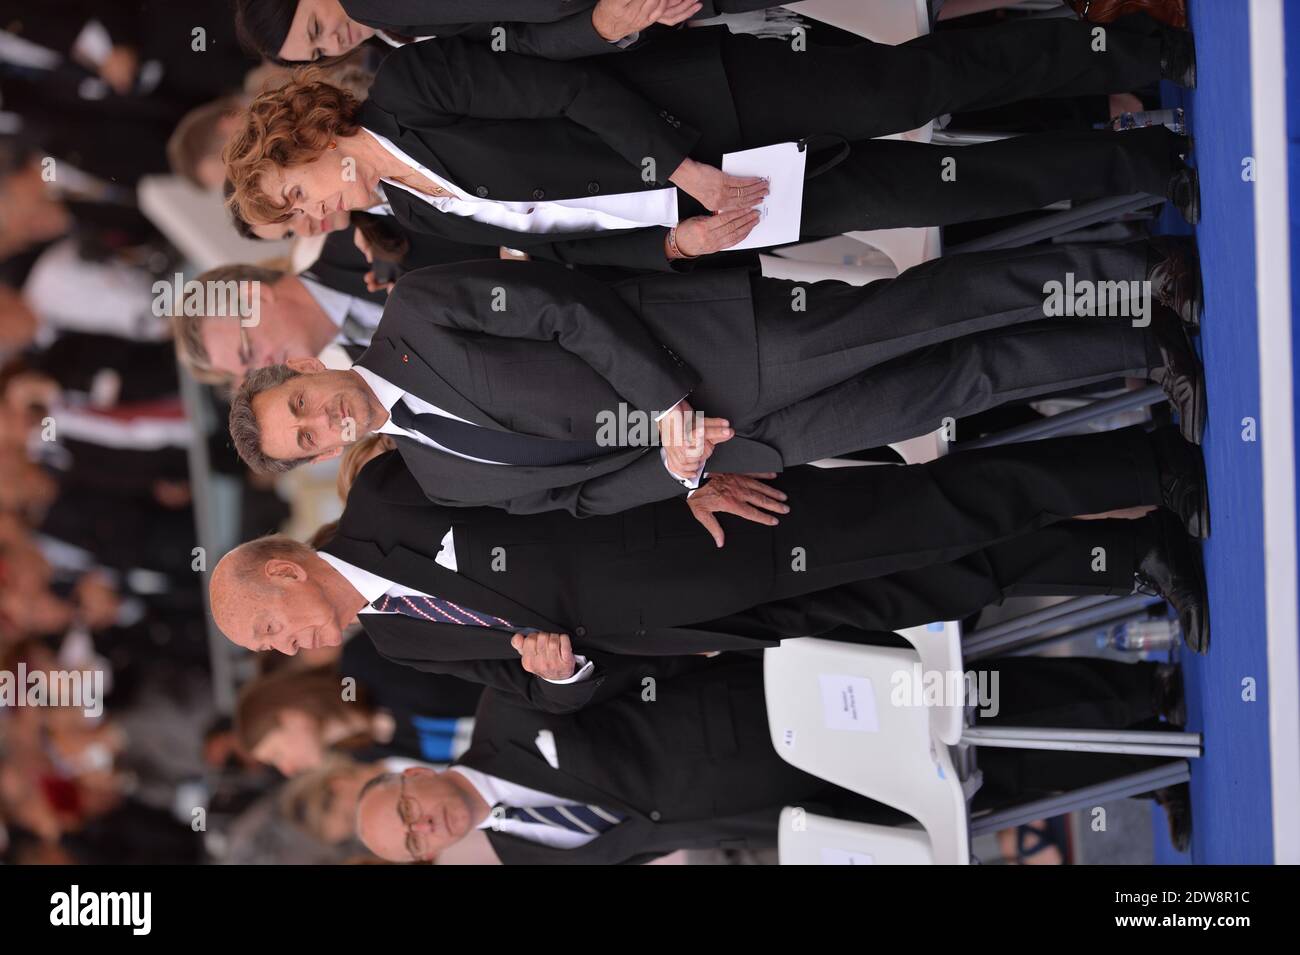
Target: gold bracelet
x=675 y=248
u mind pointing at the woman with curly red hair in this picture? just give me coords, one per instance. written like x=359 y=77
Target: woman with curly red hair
x=614 y=161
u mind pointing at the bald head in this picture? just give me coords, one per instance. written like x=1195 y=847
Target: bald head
x=275 y=593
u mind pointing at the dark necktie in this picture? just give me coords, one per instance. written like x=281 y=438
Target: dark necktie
x=437 y=610
x=576 y=817
x=504 y=447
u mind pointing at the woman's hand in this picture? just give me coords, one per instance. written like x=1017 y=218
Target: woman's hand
x=616 y=19
x=717 y=191
x=363 y=246
x=704 y=235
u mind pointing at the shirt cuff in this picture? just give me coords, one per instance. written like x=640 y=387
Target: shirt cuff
x=692 y=483
x=628 y=40
x=584 y=671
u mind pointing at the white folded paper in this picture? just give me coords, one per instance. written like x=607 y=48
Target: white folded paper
x=782 y=165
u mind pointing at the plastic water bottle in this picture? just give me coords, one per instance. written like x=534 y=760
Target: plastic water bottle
x=1173 y=118
x=1140 y=636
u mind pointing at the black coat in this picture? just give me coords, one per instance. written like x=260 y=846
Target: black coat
x=564 y=350
x=554 y=29
x=694 y=769
x=519 y=128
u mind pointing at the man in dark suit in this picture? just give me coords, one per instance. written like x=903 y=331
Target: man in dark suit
x=555 y=29
x=462 y=590
x=618 y=134
x=525 y=386
x=695 y=768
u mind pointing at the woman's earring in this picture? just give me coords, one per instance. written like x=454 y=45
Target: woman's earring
x=333 y=144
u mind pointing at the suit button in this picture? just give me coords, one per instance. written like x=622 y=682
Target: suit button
x=654 y=815
x=675 y=123
x=481 y=192
x=593 y=187
x=579 y=631
x=663 y=113
x=640 y=633
x=539 y=194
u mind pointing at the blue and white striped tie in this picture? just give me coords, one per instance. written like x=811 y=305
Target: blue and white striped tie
x=576 y=817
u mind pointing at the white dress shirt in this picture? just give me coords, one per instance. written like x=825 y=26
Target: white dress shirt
x=372 y=587
x=626 y=210
x=389 y=394
x=496 y=791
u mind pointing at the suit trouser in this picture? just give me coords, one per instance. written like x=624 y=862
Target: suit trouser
x=854 y=525
x=889 y=183
x=867 y=89
x=863 y=366
x=1056 y=561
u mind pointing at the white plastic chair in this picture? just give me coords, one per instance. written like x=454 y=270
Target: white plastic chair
x=830 y=714
x=806 y=838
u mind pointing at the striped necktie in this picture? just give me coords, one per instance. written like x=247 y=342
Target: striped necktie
x=576 y=817
x=438 y=610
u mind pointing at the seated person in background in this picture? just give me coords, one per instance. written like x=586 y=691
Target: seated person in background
x=627 y=780
x=194 y=147
x=291 y=718
x=322 y=803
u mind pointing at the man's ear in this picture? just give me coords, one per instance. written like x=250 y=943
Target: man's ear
x=306 y=366
x=281 y=569
x=332 y=453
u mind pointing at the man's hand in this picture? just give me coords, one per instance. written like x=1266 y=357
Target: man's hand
x=547 y=655
x=616 y=19
x=688 y=439
x=704 y=235
x=717 y=191
x=740 y=494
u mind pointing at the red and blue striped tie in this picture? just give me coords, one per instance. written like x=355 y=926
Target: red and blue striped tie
x=437 y=610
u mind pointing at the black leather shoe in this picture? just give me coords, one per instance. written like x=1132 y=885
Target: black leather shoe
x=1183 y=488
x=1167 y=687
x=1185 y=194
x=1180 y=375
x=1178 y=57
x=1172 y=568
x=1177 y=804
x=1174 y=270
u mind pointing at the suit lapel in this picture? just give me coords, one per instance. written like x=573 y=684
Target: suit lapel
x=393 y=358
x=525 y=766
x=418 y=572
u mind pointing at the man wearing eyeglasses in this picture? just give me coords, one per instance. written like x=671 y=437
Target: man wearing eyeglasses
x=683 y=759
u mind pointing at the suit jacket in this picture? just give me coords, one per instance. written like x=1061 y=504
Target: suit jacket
x=695 y=769
x=553 y=29
x=648 y=581
x=519 y=128
x=556 y=360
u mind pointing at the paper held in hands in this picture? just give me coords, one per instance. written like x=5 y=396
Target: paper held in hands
x=783 y=165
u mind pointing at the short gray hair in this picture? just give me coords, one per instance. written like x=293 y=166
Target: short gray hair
x=245 y=432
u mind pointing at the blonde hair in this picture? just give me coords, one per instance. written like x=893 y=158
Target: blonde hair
x=357 y=456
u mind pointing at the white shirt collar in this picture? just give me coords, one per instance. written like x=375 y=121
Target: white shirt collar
x=370 y=586
x=387 y=392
